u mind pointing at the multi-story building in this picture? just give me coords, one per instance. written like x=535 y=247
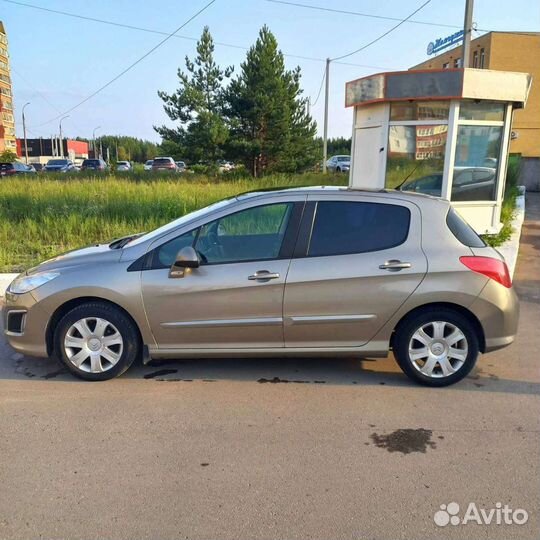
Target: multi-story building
x=7 y=119
x=505 y=51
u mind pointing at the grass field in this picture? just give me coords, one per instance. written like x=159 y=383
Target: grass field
x=44 y=216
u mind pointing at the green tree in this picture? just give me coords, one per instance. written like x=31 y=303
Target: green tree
x=270 y=129
x=8 y=156
x=198 y=105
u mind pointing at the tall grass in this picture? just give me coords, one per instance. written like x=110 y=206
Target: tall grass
x=44 y=216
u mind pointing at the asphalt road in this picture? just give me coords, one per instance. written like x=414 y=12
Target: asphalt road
x=278 y=448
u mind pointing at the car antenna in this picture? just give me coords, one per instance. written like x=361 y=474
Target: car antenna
x=408 y=176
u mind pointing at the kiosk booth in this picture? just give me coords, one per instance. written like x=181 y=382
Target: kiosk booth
x=440 y=132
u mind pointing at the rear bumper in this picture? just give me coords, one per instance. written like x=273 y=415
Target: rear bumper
x=497 y=309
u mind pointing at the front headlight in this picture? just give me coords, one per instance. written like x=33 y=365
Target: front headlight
x=23 y=284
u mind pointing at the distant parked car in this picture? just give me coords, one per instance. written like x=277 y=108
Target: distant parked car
x=60 y=165
x=164 y=164
x=16 y=167
x=469 y=184
x=148 y=164
x=38 y=167
x=181 y=166
x=94 y=165
x=123 y=166
x=339 y=164
x=225 y=166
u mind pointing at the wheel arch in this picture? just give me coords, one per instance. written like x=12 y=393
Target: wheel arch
x=445 y=305
x=75 y=302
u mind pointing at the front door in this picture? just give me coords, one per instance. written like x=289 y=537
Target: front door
x=235 y=298
x=360 y=261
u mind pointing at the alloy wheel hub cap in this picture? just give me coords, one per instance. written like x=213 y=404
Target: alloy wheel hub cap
x=438 y=349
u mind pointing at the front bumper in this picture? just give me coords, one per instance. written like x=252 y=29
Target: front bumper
x=25 y=324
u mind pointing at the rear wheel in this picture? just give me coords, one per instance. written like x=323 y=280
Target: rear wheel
x=436 y=347
x=96 y=341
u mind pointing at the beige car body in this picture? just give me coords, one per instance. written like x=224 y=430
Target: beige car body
x=319 y=306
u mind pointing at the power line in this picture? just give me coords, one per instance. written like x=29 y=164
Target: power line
x=384 y=34
x=163 y=33
x=131 y=66
x=358 y=14
x=320 y=89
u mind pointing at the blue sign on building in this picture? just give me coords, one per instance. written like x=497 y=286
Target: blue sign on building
x=441 y=43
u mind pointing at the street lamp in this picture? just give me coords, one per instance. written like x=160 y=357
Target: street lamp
x=61 y=139
x=24 y=133
x=94 y=140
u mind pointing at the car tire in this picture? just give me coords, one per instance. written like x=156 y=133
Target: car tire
x=96 y=341
x=436 y=346
x=338 y=169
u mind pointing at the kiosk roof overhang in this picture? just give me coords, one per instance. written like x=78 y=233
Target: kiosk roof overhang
x=415 y=85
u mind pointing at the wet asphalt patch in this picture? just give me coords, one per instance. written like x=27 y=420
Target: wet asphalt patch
x=159 y=373
x=405 y=441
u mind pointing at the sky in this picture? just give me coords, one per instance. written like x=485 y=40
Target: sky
x=57 y=61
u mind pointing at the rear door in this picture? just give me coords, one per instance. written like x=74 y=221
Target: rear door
x=356 y=261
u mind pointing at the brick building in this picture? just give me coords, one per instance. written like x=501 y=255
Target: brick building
x=7 y=120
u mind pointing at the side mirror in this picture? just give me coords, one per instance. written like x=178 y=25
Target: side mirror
x=187 y=257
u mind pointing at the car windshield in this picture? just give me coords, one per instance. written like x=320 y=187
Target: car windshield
x=344 y=158
x=91 y=162
x=57 y=162
x=122 y=163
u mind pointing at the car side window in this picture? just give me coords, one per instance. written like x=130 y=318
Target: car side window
x=165 y=255
x=342 y=227
x=252 y=234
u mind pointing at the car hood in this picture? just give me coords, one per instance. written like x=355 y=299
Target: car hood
x=101 y=253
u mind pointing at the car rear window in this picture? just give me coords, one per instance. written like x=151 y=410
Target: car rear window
x=6 y=166
x=342 y=228
x=462 y=230
x=91 y=162
x=162 y=161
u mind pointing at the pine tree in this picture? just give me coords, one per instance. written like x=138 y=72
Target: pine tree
x=270 y=129
x=198 y=105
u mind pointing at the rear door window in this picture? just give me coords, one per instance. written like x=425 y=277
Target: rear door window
x=342 y=227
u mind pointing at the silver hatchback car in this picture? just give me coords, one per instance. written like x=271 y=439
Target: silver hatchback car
x=310 y=272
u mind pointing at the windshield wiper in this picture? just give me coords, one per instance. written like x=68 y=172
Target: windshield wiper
x=119 y=243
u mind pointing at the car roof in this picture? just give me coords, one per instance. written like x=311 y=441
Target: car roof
x=343 y=190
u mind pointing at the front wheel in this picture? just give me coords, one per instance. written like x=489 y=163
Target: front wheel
x=436 y=347
x=96 y=341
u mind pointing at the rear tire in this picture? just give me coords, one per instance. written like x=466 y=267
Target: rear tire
x=96 y=341
x=436 y=347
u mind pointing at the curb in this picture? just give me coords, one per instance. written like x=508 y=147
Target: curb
x=5 y=280
x=509 y=250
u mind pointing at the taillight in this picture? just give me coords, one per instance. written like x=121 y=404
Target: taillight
x=492 y=268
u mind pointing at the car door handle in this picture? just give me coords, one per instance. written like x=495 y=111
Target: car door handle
x=263 y=275
x=394 y=265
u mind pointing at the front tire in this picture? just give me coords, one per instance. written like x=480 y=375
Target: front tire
x=96 y=341
x=436 y=347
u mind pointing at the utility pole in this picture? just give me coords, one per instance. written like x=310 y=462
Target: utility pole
x=94 y=147
x=24 y=133
x=325 y=133
x=467 y=31
x=61 y=139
